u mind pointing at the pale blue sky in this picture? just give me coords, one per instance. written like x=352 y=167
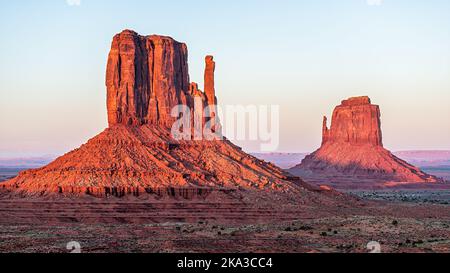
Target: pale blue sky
x=305 y=56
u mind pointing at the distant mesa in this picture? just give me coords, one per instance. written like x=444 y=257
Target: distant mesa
x=352 y=153
x=146 y=77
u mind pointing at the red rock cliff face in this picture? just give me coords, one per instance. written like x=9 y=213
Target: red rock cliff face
x=355 y=121
x=146 y=77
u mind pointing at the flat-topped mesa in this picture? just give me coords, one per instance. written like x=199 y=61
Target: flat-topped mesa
x=356 y=101
x=147 y=76
x=355 y=121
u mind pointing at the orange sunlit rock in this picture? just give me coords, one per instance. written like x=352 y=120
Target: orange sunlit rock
x=352 y=151
x=145 y=78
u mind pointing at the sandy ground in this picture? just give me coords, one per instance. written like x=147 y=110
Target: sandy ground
x=407 y=196
x=399 y=220
x=337 y=234
x=151 y=227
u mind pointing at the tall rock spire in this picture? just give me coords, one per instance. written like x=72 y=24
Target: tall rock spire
x=210 y=91
x=325 y=131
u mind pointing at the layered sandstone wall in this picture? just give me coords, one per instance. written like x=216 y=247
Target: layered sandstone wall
x=147 y=76
x=355 y=121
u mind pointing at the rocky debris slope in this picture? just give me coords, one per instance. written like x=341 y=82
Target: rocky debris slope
x=136 y=160
x=352 y=151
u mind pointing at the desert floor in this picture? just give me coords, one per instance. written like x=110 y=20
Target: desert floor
x=158 y=226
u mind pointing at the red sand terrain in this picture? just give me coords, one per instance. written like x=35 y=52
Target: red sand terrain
x=151 y=225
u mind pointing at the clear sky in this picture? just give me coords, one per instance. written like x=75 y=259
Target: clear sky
x=305 y=56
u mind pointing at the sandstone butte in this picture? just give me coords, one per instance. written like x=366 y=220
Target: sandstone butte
x=146 y=77
x=352 y=153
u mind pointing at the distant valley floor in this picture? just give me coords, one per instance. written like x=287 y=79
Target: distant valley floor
x=124 y=226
